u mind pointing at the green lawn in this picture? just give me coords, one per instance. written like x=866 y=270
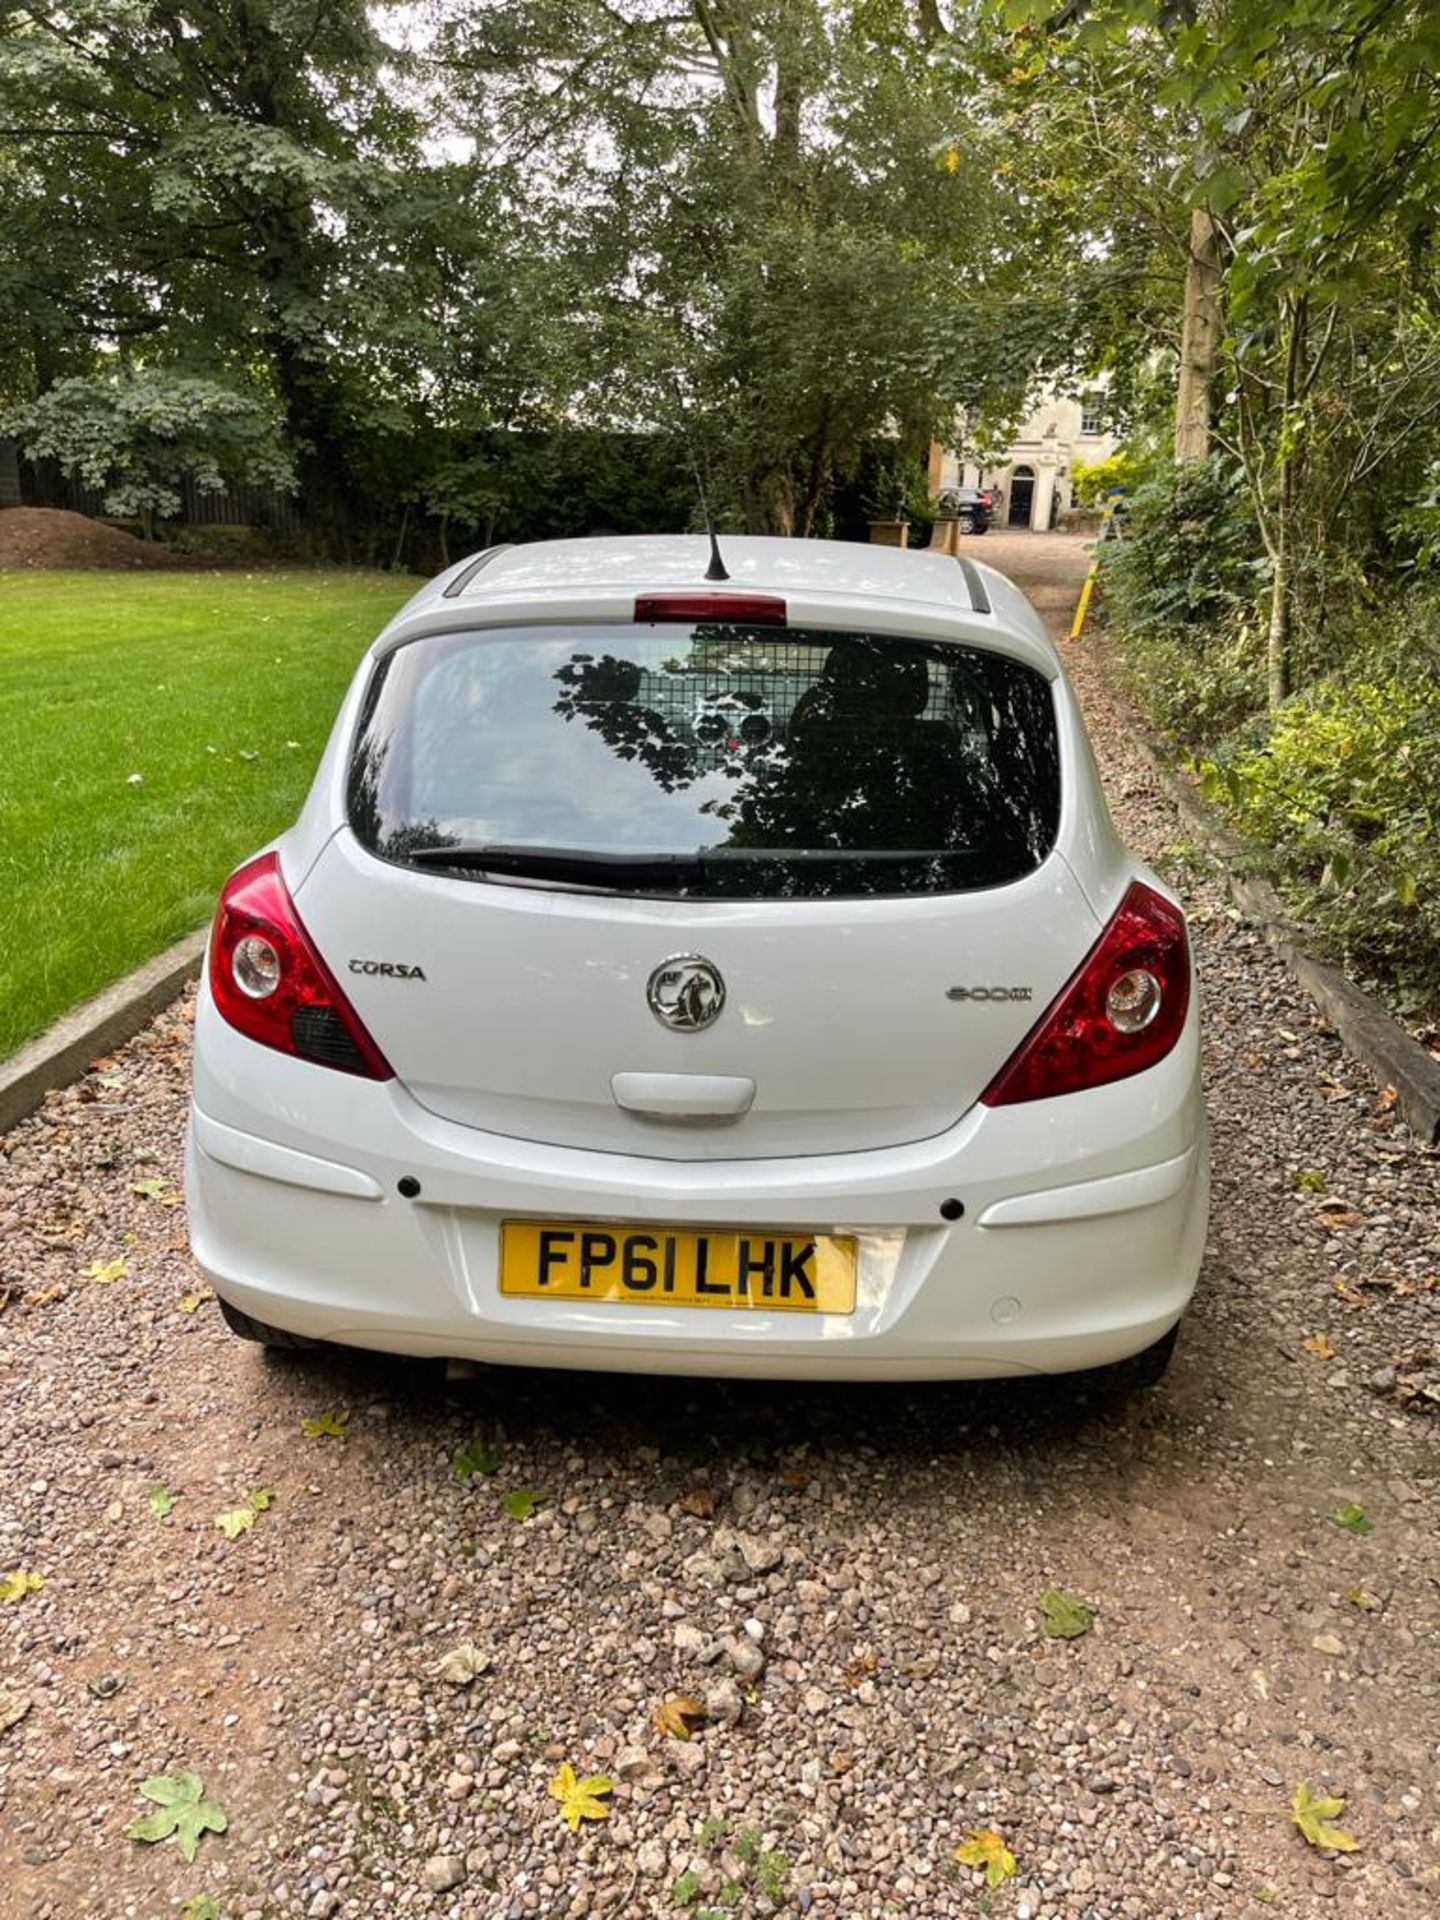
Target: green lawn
x=217 y=689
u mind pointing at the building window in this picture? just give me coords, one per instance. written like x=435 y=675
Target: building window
x=1092 y=416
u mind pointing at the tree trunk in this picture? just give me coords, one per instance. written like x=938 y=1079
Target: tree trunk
x=769 y=503
x=1278 y=649
x=1199 y=339
x=1277 y=643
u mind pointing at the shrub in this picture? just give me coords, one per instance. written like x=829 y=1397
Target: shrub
x=138 y=435
x=1200 y=689
x=1344 y=786
x=1094 y=479
x=1187 y=562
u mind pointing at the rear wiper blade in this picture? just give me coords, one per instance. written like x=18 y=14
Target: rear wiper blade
x=670 y=870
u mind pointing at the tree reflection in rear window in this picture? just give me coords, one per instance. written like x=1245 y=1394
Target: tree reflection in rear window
x=712 y=761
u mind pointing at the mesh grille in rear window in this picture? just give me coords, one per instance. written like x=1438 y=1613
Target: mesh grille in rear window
x=712 y=761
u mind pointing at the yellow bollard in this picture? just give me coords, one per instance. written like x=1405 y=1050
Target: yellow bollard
x=1077 y=625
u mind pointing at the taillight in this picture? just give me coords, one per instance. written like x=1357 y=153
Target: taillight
x=1119 y=1014
x=743 y=609
x=271 y=985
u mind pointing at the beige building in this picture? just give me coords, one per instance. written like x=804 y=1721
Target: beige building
x=1033 y=483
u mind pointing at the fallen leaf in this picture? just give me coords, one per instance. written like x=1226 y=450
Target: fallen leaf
x=326 y=1426
x=984 y=1847
x=1386 y=1098
x=1352 y=1518
x=680 y=1715
x=463 y=1664
x=162 y=1501
x=13 y=1708
x=1319 y=1344
x=841 y=1761
x=238 y=1520
x=181 y=1809
x=587 y=1799
x=193 y=1301
x=1363 y=1598
x=699 y=1500
x=524 y=1502
x=1066 y=1618
x=115 y=1510
x=15 y=1586
x=1259 y=1685
x=201 y=1906
x=1312 y=1814
x=863 y=1661
x=105 y=1271
x=921 y=1669
x=1328 y=1643
x=156 y=1189
x=478 y=1457
x=1309 y=1180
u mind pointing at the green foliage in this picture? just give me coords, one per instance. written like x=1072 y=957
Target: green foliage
x=1187 y=562
x=182 y=1809
x=1344 y=787
x=136 y=436
x=1353 y=1518
x=1197 y=689
x=1179 y=592
x=772 y=1874
x=524 y=1503
x=767 y=267
x=476 y=1456
x=1066 y=1617
x=1314 y=1814
x=1096 y=480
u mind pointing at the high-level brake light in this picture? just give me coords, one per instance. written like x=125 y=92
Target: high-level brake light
x=738 y=609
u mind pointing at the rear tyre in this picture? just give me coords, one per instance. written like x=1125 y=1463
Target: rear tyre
x=1141 y=1371
x=276 y=1338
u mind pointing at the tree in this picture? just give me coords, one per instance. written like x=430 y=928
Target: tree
x=1304 y=138
x=766 y=251
x=235 y=188
x=137 y=436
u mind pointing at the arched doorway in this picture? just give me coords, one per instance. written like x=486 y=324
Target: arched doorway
x=1022 y=496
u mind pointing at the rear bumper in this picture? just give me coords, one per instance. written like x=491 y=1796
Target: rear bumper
x=1082 y=1236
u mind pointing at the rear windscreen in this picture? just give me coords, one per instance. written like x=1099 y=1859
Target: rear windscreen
x=711 y=761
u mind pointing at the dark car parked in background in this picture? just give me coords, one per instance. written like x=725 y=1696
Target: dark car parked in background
x=973 y=507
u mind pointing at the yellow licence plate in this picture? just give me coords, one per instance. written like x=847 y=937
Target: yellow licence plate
x=655 y=1266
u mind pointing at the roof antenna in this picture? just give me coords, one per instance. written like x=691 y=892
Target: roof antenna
x=717 y=570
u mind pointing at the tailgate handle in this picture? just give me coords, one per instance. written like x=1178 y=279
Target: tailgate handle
x=683 y=1096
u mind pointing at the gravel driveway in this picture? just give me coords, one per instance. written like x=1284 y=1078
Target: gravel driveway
x=848 y=1578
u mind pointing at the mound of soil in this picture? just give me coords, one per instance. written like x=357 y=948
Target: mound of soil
x=50 y=538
